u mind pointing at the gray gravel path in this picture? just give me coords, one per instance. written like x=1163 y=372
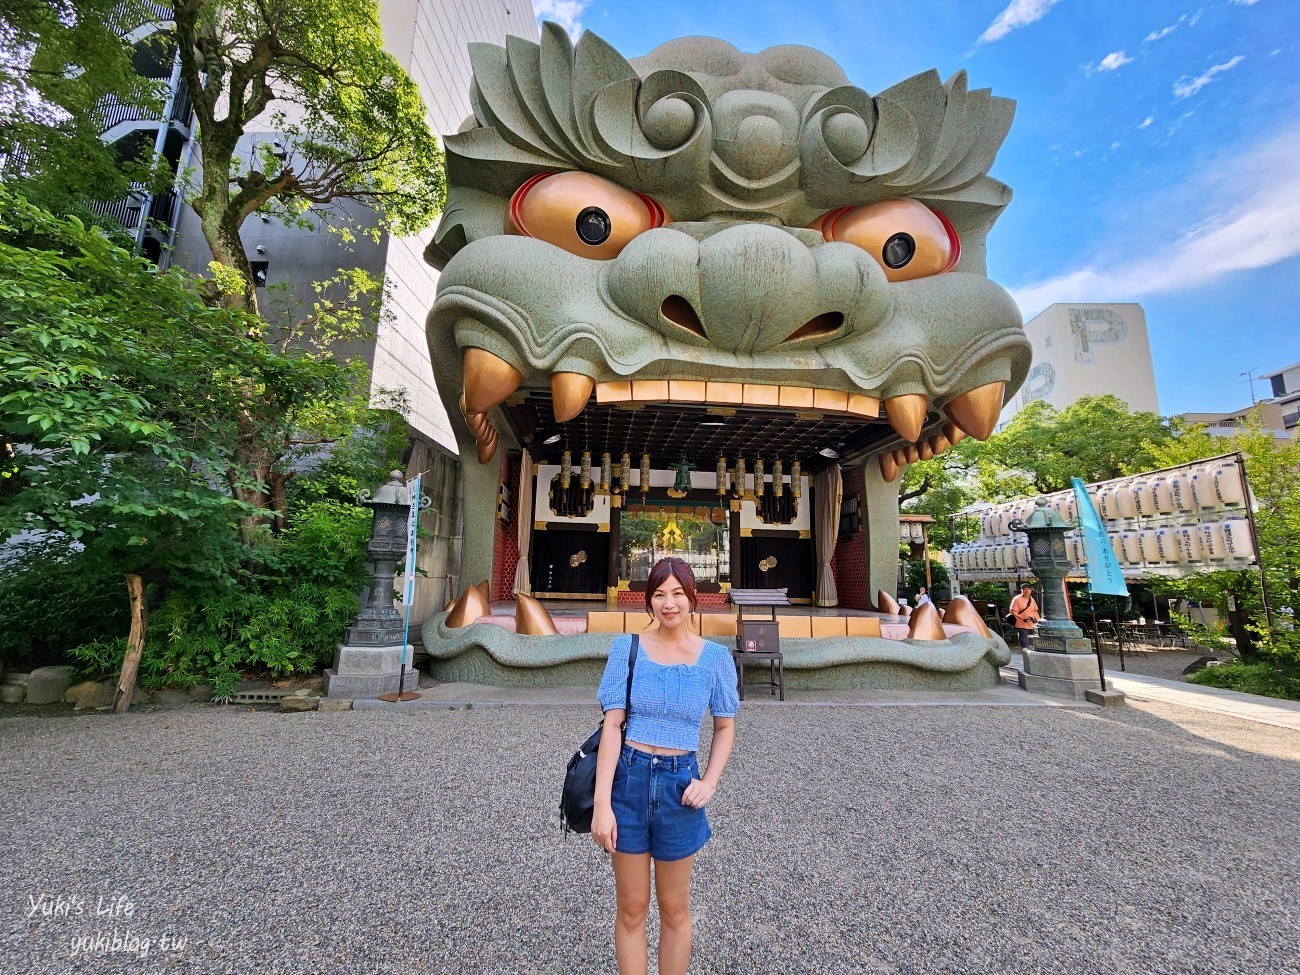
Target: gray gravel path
x=901 y=839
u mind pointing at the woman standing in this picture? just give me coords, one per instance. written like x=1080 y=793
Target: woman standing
x=650 y=797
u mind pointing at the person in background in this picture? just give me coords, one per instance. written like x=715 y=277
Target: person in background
x=1024 y=612
x=922 y=597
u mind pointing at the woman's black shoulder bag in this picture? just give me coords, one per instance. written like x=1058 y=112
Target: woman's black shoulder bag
x=578 y=801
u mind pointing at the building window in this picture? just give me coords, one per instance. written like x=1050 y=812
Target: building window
x=260 y=270
x=1047 y=342
x=1279 y=385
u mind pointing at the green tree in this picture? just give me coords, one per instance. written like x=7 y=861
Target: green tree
x=351 y=128
x=1272 y=468
x=1095 y=438
x=59 y=63
x=942 y=486
x=351 y=123
x=119 y=405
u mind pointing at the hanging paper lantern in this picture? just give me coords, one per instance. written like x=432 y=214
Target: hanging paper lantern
x=796 y=478
x=645 y=473
x=586 y=470
x=606 y=472
x=722 y=475
x=778 y=485
x=740 y=477
x=566 y=468
x=625 y=475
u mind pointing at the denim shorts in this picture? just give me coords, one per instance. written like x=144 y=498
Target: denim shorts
x=647 y=801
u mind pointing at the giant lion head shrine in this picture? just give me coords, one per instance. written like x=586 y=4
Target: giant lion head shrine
x=711 y=304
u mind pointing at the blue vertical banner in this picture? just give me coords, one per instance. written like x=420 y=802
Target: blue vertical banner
x=1104 y=573
x=412 y=542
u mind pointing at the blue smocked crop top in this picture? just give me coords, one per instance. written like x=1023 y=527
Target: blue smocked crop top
x=668 y=702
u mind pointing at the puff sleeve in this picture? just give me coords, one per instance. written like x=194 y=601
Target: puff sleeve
x=613 y=685
x=725 y=700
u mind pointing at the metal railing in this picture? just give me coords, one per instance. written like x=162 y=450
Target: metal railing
x=126 y=210
x=182 y=104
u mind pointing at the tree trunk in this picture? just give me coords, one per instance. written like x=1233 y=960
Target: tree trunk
x=134 y=643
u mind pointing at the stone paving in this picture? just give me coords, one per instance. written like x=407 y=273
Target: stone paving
x=908 y=839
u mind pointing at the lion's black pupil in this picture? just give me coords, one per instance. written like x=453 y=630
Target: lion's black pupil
x=593 y=226
x=899 y=249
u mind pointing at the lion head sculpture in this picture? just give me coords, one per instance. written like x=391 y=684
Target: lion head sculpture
x=705 y=226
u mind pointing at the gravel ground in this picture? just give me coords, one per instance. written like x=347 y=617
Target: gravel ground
x=902 y=839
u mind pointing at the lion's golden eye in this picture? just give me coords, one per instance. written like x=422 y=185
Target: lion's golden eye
x=581 y=213
x=907 y=238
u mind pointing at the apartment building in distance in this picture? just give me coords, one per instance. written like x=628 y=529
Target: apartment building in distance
x=1088 y=350
x=1286 y=393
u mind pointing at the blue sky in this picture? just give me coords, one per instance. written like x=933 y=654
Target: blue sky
x=1155 y=155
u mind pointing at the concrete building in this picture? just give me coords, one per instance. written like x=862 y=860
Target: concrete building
x=1286 y=393
x=1088 y=350
x=430 y=39
x=1226 y=424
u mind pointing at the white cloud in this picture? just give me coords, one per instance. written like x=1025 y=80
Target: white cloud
x=1146 y=122
x=1018 y=13
x=1258 y=228
x=1196 y=18
x=1244 y=3
x=1116 y=145
x=1186 y=87
x=1162 y=33
x=1111 y=62
x=566 y=13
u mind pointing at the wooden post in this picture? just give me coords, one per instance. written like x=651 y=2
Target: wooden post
x=134 y=644
x=925 y=554
x=734 y=539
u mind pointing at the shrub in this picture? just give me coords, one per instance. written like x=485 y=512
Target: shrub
x=282 y=616
x=56 y=598
x=1268 y=678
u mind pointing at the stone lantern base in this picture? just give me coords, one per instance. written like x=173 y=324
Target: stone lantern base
x=367 y=672
x=1061 y=663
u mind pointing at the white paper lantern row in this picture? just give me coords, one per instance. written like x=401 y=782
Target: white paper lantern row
x=1187 y=492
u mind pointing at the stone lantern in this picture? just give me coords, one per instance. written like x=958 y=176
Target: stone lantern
x=1061 y=660
x=369 y=660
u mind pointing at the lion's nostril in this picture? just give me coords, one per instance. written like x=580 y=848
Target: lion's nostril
x=821 y=325
x=679 y=311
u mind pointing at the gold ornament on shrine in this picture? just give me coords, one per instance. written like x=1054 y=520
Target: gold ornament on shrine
x=566 y=468
x=740 y=477
x=778 y=487
x=625 y=472
x=606 y=472
x=759 y=486
x=585 y=481
x=796 y=479
x=645 y=474
x=722 y=475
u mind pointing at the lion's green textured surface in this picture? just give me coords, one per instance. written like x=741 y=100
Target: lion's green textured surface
x=483 y=653
x=744 y=151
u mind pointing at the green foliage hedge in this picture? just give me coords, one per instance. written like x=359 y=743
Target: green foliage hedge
x=282 y=616
x=1269 y=678
x=55 y=599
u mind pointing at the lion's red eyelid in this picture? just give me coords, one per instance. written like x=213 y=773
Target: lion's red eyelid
x=516 y=217
x=657 y=213
x=829 y=221
x=953 y=239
